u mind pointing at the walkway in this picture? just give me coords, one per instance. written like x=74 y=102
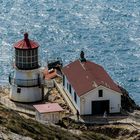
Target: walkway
x=66 y=97
x=131 y=120
x=28 y=109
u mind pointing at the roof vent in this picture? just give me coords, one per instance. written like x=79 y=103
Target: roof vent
x=82 y=57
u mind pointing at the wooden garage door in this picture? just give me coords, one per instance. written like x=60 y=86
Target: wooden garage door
x=99 y=107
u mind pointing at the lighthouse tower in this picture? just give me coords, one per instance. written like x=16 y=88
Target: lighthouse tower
x=26 y=79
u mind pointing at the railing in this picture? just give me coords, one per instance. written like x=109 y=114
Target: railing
x=25 y=83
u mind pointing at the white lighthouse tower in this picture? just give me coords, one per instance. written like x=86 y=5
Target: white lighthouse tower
x=26 y=79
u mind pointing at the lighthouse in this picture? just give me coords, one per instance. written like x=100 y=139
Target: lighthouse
x=26 y=80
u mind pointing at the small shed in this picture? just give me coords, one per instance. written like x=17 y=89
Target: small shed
x=50 y=112
x=49 y=75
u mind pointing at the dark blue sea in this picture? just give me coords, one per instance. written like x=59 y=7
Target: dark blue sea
x=107 y=30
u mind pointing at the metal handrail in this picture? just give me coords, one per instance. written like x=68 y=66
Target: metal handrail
x=24 y=83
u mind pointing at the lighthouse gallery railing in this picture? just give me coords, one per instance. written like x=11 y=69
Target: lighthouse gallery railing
x=24 y=83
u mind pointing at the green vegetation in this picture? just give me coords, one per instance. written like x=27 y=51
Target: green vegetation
x=102 y=132
x=13 y=122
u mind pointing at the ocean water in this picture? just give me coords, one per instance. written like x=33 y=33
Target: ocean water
x=107 y=30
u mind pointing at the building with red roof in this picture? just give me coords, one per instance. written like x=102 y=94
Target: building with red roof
x=91 y=88
x=26 y=79
x=50 y=112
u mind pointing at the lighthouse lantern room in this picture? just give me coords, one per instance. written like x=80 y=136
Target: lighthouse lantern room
x=27 y=79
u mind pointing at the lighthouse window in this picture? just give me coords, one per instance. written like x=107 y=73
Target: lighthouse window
x=33 y=52
x=18 y=90
x=33 y=59
x=16 y=52
x=29 y=53
x=24 y=53
x=24 y=59
x=36 y=57
x=19 y=59
x=29 y=59
x=21 y=53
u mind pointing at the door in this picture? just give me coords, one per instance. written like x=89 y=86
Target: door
x=99 y=107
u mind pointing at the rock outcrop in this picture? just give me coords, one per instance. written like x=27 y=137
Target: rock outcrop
x=128 y=104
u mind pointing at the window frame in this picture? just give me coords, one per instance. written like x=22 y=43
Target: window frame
x=67 y=86
x=63 y=80
x=100 y=93
x=75 y=97
x=70 y=88
x=18 y=90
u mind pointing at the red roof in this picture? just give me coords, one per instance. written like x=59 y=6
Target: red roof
x=49 y=107
x=26 y=43
x=86 y=76
x=50 y=74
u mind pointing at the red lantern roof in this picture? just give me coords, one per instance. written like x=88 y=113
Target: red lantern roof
x=26 y=43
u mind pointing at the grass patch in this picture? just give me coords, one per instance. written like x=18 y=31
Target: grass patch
x=13 y=122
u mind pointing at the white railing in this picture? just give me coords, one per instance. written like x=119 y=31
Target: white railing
x=24 y=83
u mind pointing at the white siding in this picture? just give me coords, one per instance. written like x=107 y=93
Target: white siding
x=108 y=94
x=28 y=74
x=52 y=117
x=30 y=94
x=30 y=91
x=71 y=95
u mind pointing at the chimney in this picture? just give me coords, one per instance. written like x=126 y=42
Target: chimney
x=82 y=57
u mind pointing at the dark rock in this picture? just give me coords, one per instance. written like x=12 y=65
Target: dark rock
x=128 y=104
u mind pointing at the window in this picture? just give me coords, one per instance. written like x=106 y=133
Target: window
x=75 y=97
x=24 y=53
x=69 y=88
x=63 y=80
x=29 y=53
x=18 y=90
x=100 y=92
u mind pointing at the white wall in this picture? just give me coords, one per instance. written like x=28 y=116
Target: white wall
x=71 y=95
x=30 y=94
x=108 y=94
x=27 y=74
x=52 y=117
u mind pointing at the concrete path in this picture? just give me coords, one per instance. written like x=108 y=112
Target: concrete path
x=112 y=120
x=28 y=109
x=66 y=97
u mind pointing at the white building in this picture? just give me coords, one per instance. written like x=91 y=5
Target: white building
x=90 y=88
x=50 y=112
x=27 y=77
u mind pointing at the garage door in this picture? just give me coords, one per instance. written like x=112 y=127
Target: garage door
x=99 y=107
